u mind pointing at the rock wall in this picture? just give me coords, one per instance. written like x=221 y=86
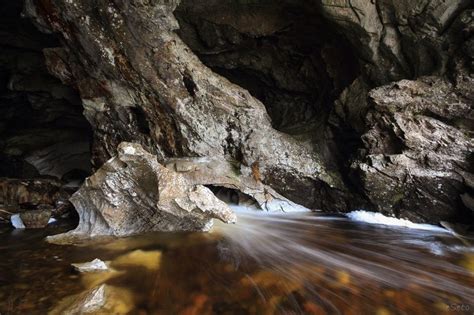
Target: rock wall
x=164 y=74
x=415 y=155
x=42 y=130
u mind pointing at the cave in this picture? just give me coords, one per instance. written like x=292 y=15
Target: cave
x=43 y=133
x=285 y=53
x=331 y=139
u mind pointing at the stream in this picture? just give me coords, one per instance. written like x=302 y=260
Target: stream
x=294 y=263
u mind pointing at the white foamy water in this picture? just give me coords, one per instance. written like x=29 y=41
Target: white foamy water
x=17 y=222
x=378 y=218
x=297 y=245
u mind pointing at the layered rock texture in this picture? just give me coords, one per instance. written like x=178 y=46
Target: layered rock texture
x=335 y=105
x=132 y=193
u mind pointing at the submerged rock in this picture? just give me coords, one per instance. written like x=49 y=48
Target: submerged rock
x=132 y=193
x=104 y=299
x=149 y=260
x=96 y=265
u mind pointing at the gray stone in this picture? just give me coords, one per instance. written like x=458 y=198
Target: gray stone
x=103 y=299
x=95 y=265
x=132 y=193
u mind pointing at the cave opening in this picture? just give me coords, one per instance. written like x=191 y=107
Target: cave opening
x=234 y=197
x=43 y=133
x=283 y=52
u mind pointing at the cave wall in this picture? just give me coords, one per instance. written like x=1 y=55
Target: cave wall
x=415 y=155
x=255 y=82
x=127 y=58
x=285 y=54
x=42 y=129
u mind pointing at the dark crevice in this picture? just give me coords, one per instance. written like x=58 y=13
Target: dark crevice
x=142 y=121
x=233 y=196
x=190 y=85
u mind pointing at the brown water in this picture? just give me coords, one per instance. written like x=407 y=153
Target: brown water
x=272 y=264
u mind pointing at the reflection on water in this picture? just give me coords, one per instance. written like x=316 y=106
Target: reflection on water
x=265 y=264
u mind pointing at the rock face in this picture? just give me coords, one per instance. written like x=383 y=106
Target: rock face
x=30 y=193
x=401 y=39
x=283 y=53
x=335 y=104
x=419 y=149
x=31 y=203
x=132 y=193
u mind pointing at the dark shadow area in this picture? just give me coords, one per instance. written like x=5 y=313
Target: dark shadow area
x=42 y=129
x=44 y=138
x=233 y=197
x=283 y=52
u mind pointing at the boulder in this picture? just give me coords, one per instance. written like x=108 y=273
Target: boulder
x=33 y=219
x=133 y=193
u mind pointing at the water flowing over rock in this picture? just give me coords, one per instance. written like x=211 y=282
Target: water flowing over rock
x=132 y=193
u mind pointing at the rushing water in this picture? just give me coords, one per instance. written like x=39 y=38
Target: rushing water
x=300 y=263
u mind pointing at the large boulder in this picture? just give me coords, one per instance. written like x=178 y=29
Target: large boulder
x=133 y=193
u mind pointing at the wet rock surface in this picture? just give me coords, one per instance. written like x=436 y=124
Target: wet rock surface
x=95 y=265
x=217 y=172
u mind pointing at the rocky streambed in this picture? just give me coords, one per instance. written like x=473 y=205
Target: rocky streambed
x=266 y=264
